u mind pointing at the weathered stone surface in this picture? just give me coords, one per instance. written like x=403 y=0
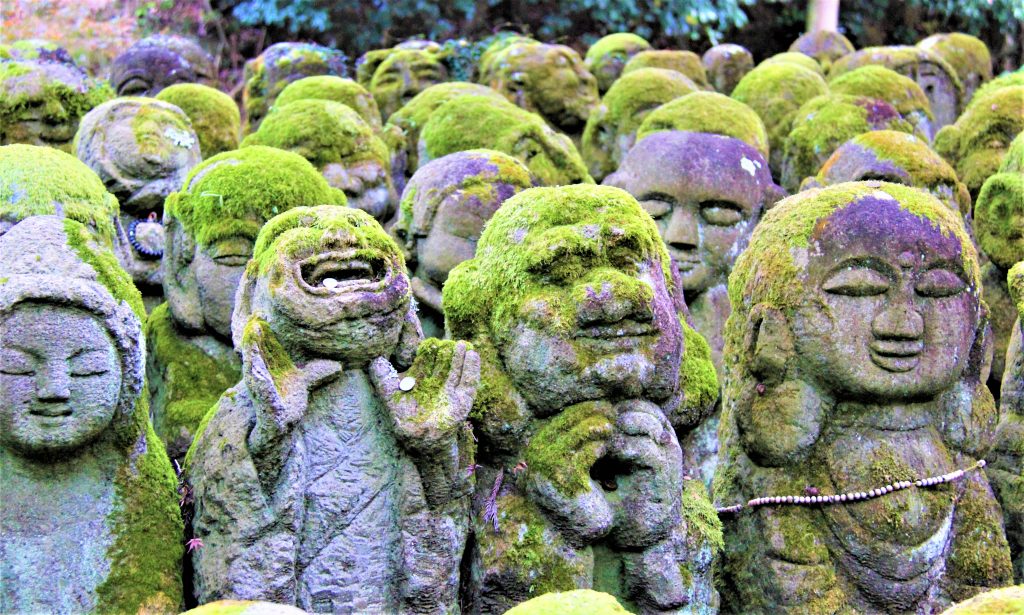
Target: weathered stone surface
x=606 y=58
x=574 y=307
x=968 y=55
x=141 y=149
x=317 y=481
x=159 y=61
x=824 y=46
x=280 y=64
x=726 y=64
x=402 y=74
x=860 y=345
x=89 y=514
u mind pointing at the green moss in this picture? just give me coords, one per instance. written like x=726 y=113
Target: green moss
x=234 y=193
x=884 y=84
x=322 y=131
x=824 y=46
x=71 y=189
x=193 y=380
x=697 y=376
x=1015 y=282
x=477 y=122
x=896 y=57
x=775 y=92
x=625 y=42
x=980 y=556
x=998 y=216
x=1013 y=162
x=712 y=113
x=430 y=383
x=685 y=62
x=146 y=114
x=257 y=334
x=367 y=65
x=214 y=115
x=391 y=79
x=701 y=519
x=996 y=602
x=907 y=152
x=108 y=271
x=336 y=89
x=797 y=58
x=565 y=447
x=965 y=53
x=1005 y=80
x=978 y=141
x=576 y=602
x=280 y=64
x=497 y=46
x=823 y=124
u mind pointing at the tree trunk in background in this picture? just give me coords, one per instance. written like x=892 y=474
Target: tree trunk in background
x=822 y=15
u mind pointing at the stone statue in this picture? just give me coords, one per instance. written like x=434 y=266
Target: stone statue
x=608 y=55
x=968 y=55
x=687 y=63
x=158 y=61
x=142 y=149
x=855 y=410
x=726 y=64
x=322 y=479
x=795 y=57
x=280 y=64
x=340 y=144
x=214 y=115
x=89 y=514
x=42 y=102
x=403 y=74
x=824 y=46
x=481 y=122
x=443 y=212
x=708 y=112
x=211 y=225
x=550 y=80
x=612 y=126
x=336 y=89
x=901 y=92
x=575 y=310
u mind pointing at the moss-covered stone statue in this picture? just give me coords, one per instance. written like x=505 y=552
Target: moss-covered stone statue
x=687 y=63
x=336 y=89
x=402 y=133
x=575 y=602
x=211 y=225
x=323 y=479
x=725 y=65
x=612 y=127
x=574 y=307
x=977 y=143
x=896 y=157
x=214 y=115
x=1007 y=468
x=936 y=77
x=824 y=123
x=337 y=141
x=1005 y=80
x=550 y=80
x=443 y=211
x=404 y=74
x=159 y=61
x=36 y=49
x=43 y=181
x=824 y=46
x=481 y=122
x=606 y=58
x=855 y=411
x=901 y=92
x=89 y=513
x=244 y=607
x=280 y=64
x=142 y=149
x=775 y=92
x=708 y=112
x=42 y=102
x=795 y=57
x=968 y=55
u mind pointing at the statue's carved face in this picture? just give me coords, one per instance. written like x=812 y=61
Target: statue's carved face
x=938 y=87
x=557 y=84
x=726 y=65
x=888 y=313
x=44 y=119
x=706 y=194
x=367 y=185
x=145 y=71
x=999 y=220
x=601 y=323
x=338 y=295
x=58 y=392
x=404 y=75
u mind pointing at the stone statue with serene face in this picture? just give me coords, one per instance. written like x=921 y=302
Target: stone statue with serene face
x=142 y=149
x=608 y=55
x=89 y=513
x=575 y=310
x=337 y=141
x=725 y=65
x=280 y=64
x=211 y=224
x=443 y=211
x=855 y=411
x=404 y=74
x=322 y=479
x=159 y=61
x=42 y=102
x=968 y=55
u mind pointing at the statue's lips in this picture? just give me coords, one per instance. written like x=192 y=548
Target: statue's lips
x=622 y=336
x=50 y=411
x=337 y=273
x=896 y=355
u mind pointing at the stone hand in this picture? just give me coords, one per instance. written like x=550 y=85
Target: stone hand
x=433 y=400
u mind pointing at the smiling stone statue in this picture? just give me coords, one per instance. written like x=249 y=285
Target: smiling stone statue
x=322 y=479
x=856 y=407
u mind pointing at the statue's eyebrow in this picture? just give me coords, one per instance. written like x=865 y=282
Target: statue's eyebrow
x=21 y=349
x=84 y=350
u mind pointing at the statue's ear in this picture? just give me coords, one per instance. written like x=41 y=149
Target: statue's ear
x=769 y=344
x=408 y=340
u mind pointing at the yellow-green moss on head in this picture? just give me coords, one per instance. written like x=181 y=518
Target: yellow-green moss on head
x=709 y=112
x=999 y=218
x=884 y=84
x=215 y=116
x=1013 y=162
x=481 y=122
x=965 y=53
x=1001 y=601
x=1005 y=80
x=576 y=602
x=38 y=181
x=797 y=58
x=775 y=92
x=337 y=89
x=1015 y=282
x=617 y=41
x=236 y=192
x=322 y=131
x=896 y=57
x=824 y=46
x=685 y=62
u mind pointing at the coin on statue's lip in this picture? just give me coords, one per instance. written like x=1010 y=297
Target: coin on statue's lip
x=407 y=384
